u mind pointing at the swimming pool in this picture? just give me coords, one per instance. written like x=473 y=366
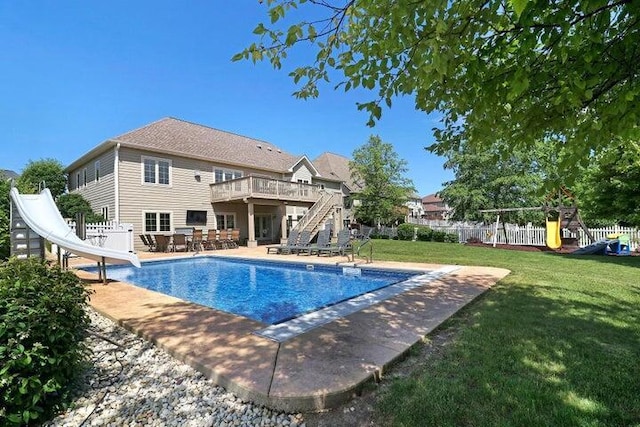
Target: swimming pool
x=269 y=292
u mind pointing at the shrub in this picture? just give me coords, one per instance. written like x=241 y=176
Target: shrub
x=42 y=325
x=425 y=234
x=438 y=236
x=379 y=236
x=405 y=231
x=451 y=238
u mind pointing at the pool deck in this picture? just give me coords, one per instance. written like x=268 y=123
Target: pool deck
x=317 y=369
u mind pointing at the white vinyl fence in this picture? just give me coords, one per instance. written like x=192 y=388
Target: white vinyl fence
x=111 y=234
x=524 y=235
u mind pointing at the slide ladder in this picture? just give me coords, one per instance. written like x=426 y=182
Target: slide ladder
x=41 y=215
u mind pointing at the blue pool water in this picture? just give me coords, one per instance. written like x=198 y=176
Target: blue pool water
x=265 y=291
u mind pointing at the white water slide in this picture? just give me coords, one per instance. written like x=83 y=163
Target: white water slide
x=41 y=214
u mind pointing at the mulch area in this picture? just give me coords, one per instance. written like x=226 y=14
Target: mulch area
x=563 y=250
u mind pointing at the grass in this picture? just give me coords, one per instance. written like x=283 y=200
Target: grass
x=557 y=342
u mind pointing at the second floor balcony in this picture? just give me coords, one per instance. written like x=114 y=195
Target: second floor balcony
x=253 y=187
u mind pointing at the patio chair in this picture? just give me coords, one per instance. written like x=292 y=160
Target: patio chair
x=213 y=241
x=324 y=240
x=179 y=243
x=162 y=243
x=147 y=243
x=291 y=240
x=196 y=240
x=234 y=237
x=225 y=239
x=151 y=241
x=341 y=246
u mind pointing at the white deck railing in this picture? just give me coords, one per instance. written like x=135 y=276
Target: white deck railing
x=263 y=188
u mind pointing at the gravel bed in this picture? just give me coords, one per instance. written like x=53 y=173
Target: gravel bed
x=130 y=382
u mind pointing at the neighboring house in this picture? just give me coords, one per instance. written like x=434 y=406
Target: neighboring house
x=415 y=207
x=173 y=173
x=435 y=208
x=9 y=174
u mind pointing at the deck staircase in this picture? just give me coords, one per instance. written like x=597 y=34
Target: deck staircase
x=319 y=213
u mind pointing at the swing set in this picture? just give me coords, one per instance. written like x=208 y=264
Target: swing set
x=561 y=212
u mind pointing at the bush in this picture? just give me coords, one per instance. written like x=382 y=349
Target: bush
x=405 y=231
x=42 y=325
x=379 y=236
x=451 y=238
x=425 y=234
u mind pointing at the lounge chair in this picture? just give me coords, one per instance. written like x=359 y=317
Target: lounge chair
x=340 y=248
x=291 y=240
x=324 y=240
x=303 y=242
x=179 y=242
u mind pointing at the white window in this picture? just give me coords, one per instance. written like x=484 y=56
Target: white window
x=156 y=171
x=105 y=213
x=84 y=177
x=78 y=182
x=221 y=175
x=96 y=168
x=155 y=222
x=225 y=220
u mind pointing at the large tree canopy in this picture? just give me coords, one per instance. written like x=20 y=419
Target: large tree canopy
x=47 y=171
x=610 y=190
x=484 y=180
x=521 y=71
x=377 y=167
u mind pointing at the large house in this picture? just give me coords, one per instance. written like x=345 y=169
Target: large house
x=173 y=173
x=435 y=208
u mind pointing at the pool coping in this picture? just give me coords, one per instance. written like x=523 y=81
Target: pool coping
x=318 y=369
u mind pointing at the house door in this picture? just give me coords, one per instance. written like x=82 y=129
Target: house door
x=264 y=227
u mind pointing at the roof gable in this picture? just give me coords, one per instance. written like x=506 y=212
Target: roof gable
x=174 y=136
x=336 y=167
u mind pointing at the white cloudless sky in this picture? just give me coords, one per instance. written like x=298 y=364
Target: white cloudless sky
x=75 y=73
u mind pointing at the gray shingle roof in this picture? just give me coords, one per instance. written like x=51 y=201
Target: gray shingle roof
x=334 y=166
x=9 y=174
x=171 y=135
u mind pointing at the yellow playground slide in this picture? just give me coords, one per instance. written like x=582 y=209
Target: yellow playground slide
x=553 y=234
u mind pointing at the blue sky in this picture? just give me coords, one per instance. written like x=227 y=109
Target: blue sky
x=75 y=73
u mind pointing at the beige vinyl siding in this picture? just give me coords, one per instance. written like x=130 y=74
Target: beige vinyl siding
x=303 y=173
x=100 y=193
x=188 y=190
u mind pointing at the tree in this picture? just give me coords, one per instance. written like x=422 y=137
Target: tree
x=71 y=204
x=485 y=180
x=520 y=71
x=49 y=171
x=610 y=191
x=5 y=204
x=377 y=167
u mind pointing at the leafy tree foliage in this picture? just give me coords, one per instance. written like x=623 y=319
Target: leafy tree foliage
x=610 y=192
x=71 y=204
x=486 y=180
x=4 y=217
x=521 y=71
x=49 y=171
x=377 y=166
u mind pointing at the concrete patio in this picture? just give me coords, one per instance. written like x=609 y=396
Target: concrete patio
x=317 y=369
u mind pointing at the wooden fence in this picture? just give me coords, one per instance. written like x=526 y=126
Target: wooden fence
x=525 y=235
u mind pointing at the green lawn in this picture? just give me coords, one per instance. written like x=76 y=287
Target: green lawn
x=555 y=343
